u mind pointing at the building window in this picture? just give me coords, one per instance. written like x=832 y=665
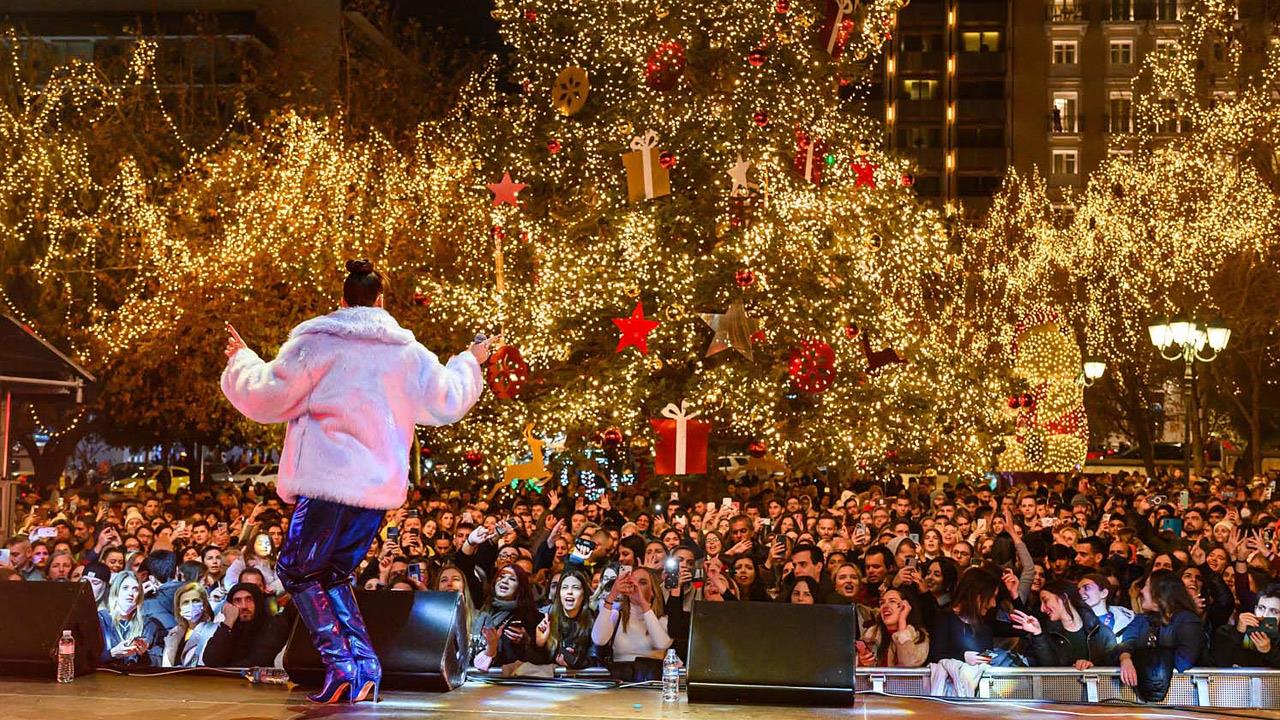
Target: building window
x=988 y=41
x=1121 y=52
x=1064 y=53
x=1064 y=10
x=1121 y=10
x=1166 y=43
x=1169 y=123
x=1065 y=162
x=1121 y=112
x=1064 y=112
x=1167 y=10
x=920 y=137
x=920 y=89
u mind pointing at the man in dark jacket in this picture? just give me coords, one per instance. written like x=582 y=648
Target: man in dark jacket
x=1253 y=641
x=249 y=635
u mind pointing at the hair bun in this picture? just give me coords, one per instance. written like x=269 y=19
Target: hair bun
x=359 y=266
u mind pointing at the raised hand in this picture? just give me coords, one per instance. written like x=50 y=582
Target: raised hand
x=234 y=342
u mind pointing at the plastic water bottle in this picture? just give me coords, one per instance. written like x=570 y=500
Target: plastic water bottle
x=267 y=676
x=671 y=677
x=66 y=657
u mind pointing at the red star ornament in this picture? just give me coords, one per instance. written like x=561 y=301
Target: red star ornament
x=866 y=171
x=505 y=191
x=635 y=330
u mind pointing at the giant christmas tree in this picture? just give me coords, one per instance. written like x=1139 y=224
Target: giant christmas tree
x=686 y=205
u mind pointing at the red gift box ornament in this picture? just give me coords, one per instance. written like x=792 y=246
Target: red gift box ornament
x=682 y=442
x=836 y=31
x=808 y=160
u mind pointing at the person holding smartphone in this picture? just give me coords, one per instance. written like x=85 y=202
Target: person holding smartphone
x=1254 y=639
x=124 y=623
x=351 y=385
x=507 y=620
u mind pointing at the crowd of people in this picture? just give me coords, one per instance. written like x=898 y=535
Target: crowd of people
x=1150 y=576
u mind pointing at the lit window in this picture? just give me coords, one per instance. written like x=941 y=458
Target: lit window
x=988 y=41
x=1064 y=112
x=1167 y=10
x=1064 y=53
x=1121 y=112
x=1065 y=162
x=920 y=89
x=1121 y=52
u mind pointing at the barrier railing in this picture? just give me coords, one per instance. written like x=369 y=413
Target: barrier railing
x=1199 y=687
x=1202 y=687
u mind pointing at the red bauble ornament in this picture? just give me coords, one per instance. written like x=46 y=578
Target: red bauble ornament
x=908 y=179
x=667 y=159
x=473 y=458
x=424 y=451
x=506 y=372
x=745 y=278
x=759 y=336
x=612 y=438
x=782 y=7
x=665 y=65
x=757 y=57
x=531 y=15
x=498 y=232
x=421 y=299
x=1028 y=400
x=1014 y=403
x=761 y=118
x=553 y=146
x=812 y=366
x=851 y=331
x=757 y=448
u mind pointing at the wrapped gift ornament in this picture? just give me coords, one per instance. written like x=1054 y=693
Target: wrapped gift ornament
x=682 y=442
x=839 y=26
x=812 y=366
x=646 y=177
x=808 y=159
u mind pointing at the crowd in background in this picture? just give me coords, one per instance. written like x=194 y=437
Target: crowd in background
x=1148 y=576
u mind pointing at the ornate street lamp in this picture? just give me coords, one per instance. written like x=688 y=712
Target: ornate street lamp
x=1092 y=369
x=1186 y=340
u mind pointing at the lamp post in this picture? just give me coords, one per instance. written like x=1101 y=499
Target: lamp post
x=1091 y=370
x=1184 y=340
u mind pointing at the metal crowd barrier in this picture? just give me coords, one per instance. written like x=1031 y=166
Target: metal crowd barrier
x=1198 y=687
x=1202 y=687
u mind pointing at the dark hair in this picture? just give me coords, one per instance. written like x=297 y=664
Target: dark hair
x=807 y=582
x=1270 y=591
x=190 y=571
x=363 y=284
x=161 y=564
x=950 y=572
x=1068 y=593
x=815 y=553
x=1095 y=543
x=975 y=589
x=636 y=545
x=1170 y=594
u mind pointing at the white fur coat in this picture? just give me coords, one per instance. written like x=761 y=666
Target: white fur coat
x=351 y=385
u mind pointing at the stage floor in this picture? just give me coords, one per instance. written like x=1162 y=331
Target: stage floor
x=111 y=697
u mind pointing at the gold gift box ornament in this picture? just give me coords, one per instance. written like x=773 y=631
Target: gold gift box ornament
x=646 y=178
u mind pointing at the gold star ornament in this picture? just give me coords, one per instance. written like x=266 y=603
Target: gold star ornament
x=733 y=330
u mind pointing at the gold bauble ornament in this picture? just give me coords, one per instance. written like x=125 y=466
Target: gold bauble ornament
x=655 y=363
x=632 y=290
x=661 y=12
x=673 y=312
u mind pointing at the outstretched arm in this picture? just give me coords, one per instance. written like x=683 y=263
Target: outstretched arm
x=448 y=391
x=269 y=392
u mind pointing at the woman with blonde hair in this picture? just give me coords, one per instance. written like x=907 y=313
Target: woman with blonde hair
x=123 y=623
x=633 y=621
x=184 y=644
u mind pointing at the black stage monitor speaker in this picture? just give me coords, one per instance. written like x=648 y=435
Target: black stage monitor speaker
x=771 y=653
x=32 y=618
x=421 y=639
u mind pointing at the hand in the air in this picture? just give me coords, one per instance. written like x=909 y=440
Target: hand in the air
x=234 y=343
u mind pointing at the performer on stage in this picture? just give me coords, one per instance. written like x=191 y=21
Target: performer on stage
x=351 y=385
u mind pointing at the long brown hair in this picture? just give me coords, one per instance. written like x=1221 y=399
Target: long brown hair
x=659 y=608
x=561 y=623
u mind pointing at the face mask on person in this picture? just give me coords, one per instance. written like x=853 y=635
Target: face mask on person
x=192 y=611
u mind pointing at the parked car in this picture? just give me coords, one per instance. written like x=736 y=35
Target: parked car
x=173 y=478
x=216 y=471
x=258 y=473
